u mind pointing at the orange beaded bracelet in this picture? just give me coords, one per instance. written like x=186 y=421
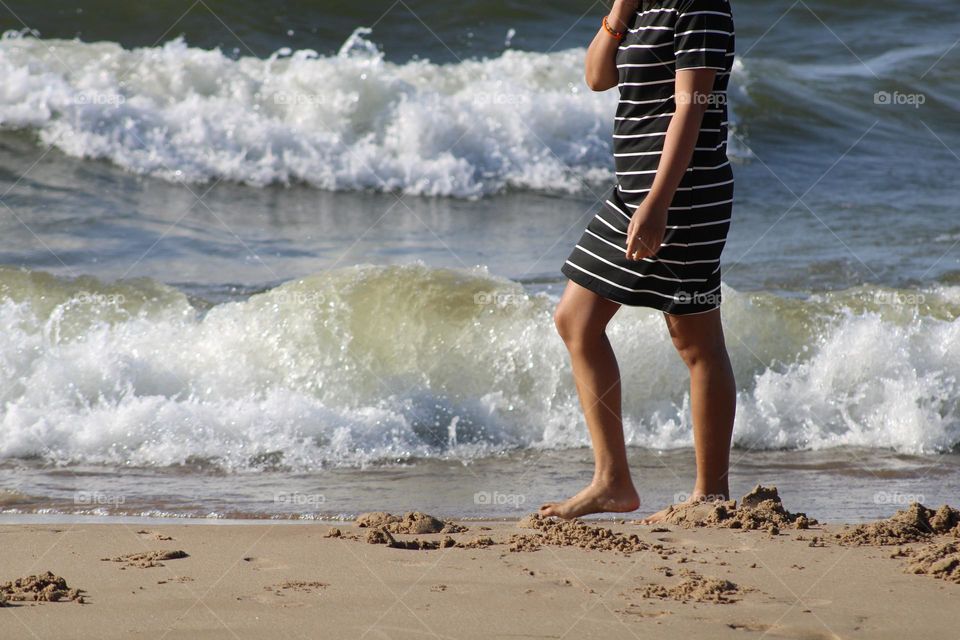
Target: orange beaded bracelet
x=616 y=34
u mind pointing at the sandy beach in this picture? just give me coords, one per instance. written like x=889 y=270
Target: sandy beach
x=703 y=574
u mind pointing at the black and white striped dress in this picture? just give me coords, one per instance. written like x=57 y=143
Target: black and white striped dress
x=683 y=277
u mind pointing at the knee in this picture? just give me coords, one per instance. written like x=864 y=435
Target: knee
x=572 y=330
x=564 y=322
x=696 y=354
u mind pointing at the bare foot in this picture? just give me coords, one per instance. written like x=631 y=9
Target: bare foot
x=594 y=499
x=661 y=515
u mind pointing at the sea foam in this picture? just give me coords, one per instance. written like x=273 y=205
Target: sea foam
x=375 y=364
x=344 y=122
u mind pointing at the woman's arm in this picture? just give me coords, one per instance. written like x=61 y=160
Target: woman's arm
x=601 y=68
x=648 y=224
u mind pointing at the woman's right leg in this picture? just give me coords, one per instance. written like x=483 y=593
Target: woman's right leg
x=581 y=320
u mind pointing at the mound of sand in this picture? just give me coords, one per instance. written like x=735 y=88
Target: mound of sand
x=938 y=560
x=414 y=522
x=45 y=587
x=565 y=533
x=148 y=559
x=694 y=587
x=913 y=524
x=759 y=509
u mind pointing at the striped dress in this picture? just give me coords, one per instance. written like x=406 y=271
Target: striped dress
x=683 y=277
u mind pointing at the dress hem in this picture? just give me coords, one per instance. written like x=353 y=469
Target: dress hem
x=608 y=292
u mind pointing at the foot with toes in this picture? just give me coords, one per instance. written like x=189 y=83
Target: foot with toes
x=596 y=498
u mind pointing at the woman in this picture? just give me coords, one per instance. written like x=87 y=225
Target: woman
x=656 y=242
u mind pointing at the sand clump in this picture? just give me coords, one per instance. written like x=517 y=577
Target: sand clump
x=413 y=522
x=937 y=560
x=381 y=535
x=477 y=543
x=916 y=523
x=761 y=509
x=576 y=533
x=694 y=587
x=336 y=532
x=45 y=587
x=147 y=559
x=383 y=527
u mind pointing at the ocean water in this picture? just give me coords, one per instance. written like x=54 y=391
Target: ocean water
x=300 y=261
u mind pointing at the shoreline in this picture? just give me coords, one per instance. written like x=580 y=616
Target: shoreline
x=497 y=579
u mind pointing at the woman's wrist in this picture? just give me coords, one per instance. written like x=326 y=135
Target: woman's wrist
x=656 y=201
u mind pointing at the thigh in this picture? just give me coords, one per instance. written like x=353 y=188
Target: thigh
x=702 y=332
x=581 y=309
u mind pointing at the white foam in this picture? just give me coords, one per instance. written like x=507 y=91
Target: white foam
x=350 y=121
x=384 y=363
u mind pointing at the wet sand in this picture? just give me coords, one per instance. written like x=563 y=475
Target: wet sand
x=417 y=577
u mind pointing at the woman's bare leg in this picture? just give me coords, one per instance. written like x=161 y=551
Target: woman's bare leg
x=713 y=400
x=581 y=320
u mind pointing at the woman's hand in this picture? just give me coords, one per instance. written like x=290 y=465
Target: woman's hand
x=646 y=230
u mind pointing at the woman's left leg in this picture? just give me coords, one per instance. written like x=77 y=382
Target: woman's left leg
x=699 y=341
x=582 y=317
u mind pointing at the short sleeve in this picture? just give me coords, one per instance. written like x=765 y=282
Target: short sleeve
x=702 y=35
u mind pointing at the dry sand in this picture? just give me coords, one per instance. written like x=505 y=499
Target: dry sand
x=774 y=575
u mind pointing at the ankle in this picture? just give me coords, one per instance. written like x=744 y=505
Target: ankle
x=614 y=479
x=710 y=494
